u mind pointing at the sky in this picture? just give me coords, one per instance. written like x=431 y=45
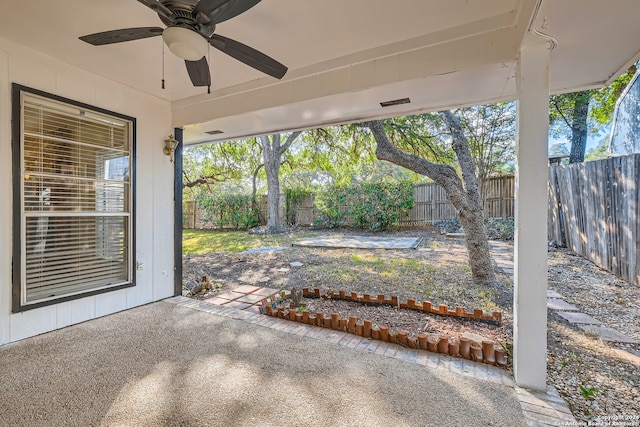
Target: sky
x=592 y=139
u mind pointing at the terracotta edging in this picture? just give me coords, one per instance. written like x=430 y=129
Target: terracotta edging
x=485 y=351
x=411 y=304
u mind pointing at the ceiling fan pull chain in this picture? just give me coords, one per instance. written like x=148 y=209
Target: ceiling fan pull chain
x=163 y=65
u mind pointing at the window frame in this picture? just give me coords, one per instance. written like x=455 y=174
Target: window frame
x=17 y=132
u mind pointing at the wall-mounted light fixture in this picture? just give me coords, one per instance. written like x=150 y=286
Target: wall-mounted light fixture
x=170 y=147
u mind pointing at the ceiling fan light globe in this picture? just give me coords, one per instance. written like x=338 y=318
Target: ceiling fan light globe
x=185 y=43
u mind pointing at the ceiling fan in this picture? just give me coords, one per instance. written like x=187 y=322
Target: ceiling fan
x=190 y=30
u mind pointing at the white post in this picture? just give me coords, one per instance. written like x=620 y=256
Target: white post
x=530 y=252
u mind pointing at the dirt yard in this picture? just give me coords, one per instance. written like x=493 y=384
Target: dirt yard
x=596 y=378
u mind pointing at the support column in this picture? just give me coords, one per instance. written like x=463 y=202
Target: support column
x=177 y=215
x=530 y=252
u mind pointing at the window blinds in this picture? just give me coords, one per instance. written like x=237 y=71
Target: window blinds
x=76 y=200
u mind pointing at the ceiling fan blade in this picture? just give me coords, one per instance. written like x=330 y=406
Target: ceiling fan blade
x=159 y=8
x=199 y=72
x=122 y=35
x=249 y=56
x=221 y=10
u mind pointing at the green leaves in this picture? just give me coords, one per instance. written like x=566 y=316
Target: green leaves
x=228 y=209
x=604 y=100
x=587 y=391
x=572 y=115
x=292 y=198
x=373 y=205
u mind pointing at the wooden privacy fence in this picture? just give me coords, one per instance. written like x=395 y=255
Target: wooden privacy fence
x=593 y=210
x=430 y=205
x=189 y=215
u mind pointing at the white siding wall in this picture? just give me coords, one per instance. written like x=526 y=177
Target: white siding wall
x=154 y=192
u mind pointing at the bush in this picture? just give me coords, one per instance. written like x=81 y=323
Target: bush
x=228 y=210
x=371 y=205
x=330 y=203
x=500 y=229
x=497 y=229
x=292 y=199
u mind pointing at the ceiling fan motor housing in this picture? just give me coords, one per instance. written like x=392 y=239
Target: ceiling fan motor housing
x=185 y=42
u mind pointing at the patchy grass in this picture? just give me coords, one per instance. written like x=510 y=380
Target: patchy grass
x=386 y=266
x=440 y=277
x=202 y=242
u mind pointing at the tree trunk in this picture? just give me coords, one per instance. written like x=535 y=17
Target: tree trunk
x=471 y=213
x=579 y=118
x=254 y=191
x=272 y=152
x=462 y=193
x=271 y=156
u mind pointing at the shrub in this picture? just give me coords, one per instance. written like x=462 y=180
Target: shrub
x=330 y=203
x=496 y=228
x=228 y=210
x=500 y=229
x=292 y=199
x=370 y=205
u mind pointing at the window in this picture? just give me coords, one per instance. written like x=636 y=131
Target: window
x=73 y=199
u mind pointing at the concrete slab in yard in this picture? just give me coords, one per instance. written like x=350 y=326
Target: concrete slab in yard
x=361 y=242
x=560 y=304
x=608 y=334
x=578 y=318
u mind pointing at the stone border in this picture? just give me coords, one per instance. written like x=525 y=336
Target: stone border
x=485 y=351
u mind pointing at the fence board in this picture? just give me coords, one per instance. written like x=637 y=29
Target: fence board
x=593 y=210
x=189 y=215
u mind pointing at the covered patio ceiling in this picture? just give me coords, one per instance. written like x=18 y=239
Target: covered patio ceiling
x=344 y=57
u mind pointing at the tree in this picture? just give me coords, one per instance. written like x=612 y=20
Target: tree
x=599 y=152
x=463 y=193
x=558 y=149
x=571 y=114
x=491 y=133
x=272 y=151
x=212 y=164
x=571 y=110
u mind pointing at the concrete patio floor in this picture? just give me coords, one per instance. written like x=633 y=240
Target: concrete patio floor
x=171 y=364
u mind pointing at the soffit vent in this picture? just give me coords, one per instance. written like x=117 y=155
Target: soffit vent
x=395 y=102
x=214 y=132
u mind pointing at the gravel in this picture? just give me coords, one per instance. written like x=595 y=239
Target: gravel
x=598 y=379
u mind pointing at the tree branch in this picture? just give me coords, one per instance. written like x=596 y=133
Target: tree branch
x=463 y=153
x=559 y=110
x=289 y=141
x=444 y=175
x=203 y=180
